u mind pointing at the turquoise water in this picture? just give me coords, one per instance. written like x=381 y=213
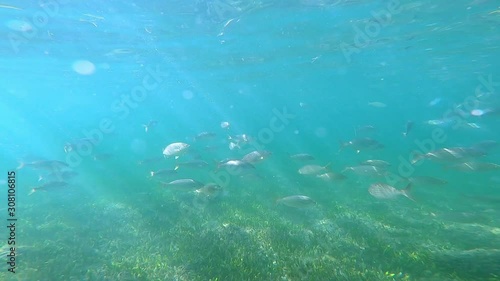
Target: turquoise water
x=80 y=79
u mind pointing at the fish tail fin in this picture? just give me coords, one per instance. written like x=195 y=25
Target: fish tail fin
x=33 y=190
x=328 y=167
x=277 y=201
x=145 y=128
x=405 y=134
x=40 y=178
x=406 y=192
x=152 y=173
x=417 y=156
x=21 y=165
x=407 y=179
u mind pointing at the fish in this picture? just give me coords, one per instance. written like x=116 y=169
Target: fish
x=175 y=149
x=426 y=180
x=49 y=185
x=256 y=156
x=119 y=51
x=192 y=164
x=9 y=7
x=329 y=176
x=163 y=172
x=385 y=191
x=365 y=129
x=44 y=164
x=376 y=163
x=183 y=185
x=236 y=142
x=236 y=165
x=362 y=144
x=454 y=154
x=225 y=125
x=366 y=170
x=204 y=136
x=297 y=201
x=409 y=126
x=438 y=122
x=150 y=125
x=475 y=166
x=302 y=157
x=486 y=145
x=233 y=146
x=313 y=169
x=58 y=175
x=486 y=111
x=238 y=139
x=377 y=104
x=210 y=190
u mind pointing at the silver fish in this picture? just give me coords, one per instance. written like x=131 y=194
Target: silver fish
x=236 y=165
x=175 y=149
x=454 y=154
x=48 y=186
x=425 y=180
x=183 y=185
x=366 y=129
x=225 y=125
x=163 y=172
x=302 y=157
x=385 y=191
x=204 y=136
x=297 y=201
x=256 y=156
x=475 y=166
x=233 y=146
x=192 y=164
x=330 y=176
x=486 y=145
x=210 y=190
x=313 y=169
x=439 y=122
x=45 y=165
x=376 y=163
x=58 y=175
x=377 y=104
x=366 y=170
x=409 y=126
x=362 y=144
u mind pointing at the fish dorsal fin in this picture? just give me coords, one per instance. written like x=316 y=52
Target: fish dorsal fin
x=406 y=192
